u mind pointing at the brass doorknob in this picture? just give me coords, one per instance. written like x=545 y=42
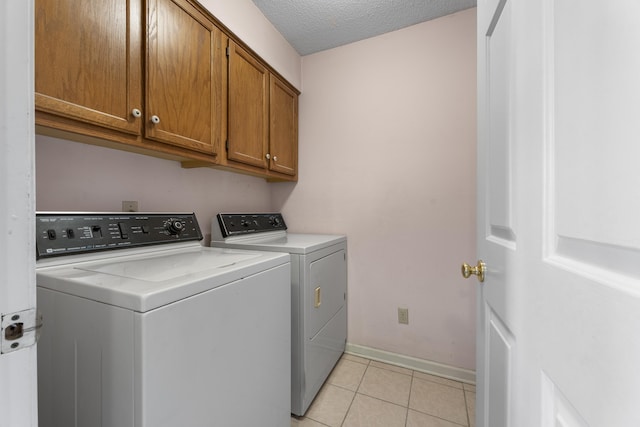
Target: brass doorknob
x=478 y=270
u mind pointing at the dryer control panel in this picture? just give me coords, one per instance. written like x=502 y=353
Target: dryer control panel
x=237 y=224
x=62 y=233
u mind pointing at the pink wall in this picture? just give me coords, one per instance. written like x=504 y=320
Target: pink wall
x=387 y=156
x=78 y=177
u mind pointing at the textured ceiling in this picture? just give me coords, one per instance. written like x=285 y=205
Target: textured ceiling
x=314 y=25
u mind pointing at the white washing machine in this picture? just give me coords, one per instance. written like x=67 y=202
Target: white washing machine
x=318 y=293
x=147 y=328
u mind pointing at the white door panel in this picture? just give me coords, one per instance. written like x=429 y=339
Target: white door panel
x=559 y=311
x=595 y=127
x=497 y=239
x=592 y=237
x=499 y=361
x=498 y=158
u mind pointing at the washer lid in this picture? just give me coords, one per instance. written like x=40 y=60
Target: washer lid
x=293 y=243
x=170 y=267
x=147 y=281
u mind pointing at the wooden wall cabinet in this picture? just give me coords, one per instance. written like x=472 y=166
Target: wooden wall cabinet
x=248 y=108
x=89 y=69
x=184 y=77
x=262 y=116
x=153 y=77
x=283 y=127
x=88 y=62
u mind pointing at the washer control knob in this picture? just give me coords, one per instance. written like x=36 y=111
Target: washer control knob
x=174 y=227
x=274 y=220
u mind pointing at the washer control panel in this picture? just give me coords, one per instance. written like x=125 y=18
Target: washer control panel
x=73 y=233
x=237 y=224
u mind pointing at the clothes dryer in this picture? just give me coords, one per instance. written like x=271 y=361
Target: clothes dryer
x=318 y=293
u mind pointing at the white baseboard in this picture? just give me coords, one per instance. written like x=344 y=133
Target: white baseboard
x=421 y=365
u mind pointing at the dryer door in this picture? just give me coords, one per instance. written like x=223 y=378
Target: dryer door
x=325 y=319
x=326 y=291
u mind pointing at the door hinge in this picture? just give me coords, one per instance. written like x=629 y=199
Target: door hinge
x=19 y=330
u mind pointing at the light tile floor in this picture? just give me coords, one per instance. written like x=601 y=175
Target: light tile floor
x=365 y=393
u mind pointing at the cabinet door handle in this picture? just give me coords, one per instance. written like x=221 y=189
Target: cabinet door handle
x=155 y=119
x=268 y=156
x=136 y=113
x=275 y=158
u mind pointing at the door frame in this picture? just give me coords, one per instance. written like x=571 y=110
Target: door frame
x=18 y=369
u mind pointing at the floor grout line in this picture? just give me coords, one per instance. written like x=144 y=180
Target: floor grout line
x=406 y=417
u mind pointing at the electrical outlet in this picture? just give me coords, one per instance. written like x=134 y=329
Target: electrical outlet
x=129 y=206
x=403 y=316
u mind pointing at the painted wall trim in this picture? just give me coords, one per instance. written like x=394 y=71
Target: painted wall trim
x=421 y=365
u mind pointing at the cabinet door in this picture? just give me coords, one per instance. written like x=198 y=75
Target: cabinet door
x=283 y=127
x=87 y=61
x=183 y=87
x=248 y=108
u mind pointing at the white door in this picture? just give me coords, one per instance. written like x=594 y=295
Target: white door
x=559 y=213
x=18 y=384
